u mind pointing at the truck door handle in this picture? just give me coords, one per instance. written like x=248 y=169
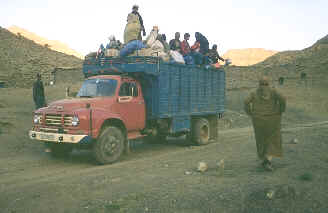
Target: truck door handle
x=140 y=102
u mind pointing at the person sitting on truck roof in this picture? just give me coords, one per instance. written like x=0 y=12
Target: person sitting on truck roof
x=214 y=55
x=113 y=43
x=175 y=44
x=203 y=43
x=101 y=51
x=162 y=39
x=185 y=49
x=195 y=52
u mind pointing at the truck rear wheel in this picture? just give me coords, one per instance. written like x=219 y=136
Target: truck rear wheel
x=109 y=146
x=201 y=132
x=60 y=149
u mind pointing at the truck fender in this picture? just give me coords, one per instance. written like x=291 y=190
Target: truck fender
x=102 y=118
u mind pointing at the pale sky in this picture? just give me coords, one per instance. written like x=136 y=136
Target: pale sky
x=232 y=24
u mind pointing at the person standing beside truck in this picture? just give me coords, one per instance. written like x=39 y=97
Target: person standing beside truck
x=38 y=93
x=265 y=107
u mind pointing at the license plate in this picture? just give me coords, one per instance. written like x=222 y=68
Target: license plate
x=47 y=137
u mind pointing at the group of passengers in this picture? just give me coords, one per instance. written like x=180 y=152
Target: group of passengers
x=156 y=44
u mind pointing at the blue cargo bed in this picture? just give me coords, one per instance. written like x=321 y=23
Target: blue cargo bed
x=170 y=90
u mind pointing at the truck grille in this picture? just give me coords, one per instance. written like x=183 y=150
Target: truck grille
x=58 y=120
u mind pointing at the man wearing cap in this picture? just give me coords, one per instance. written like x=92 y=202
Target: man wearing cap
x=265 y=106
x=135 y=11
x=38 y=93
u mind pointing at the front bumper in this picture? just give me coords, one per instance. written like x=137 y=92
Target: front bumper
x=59 y=138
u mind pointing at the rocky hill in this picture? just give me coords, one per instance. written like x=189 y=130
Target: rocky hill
x=51 y=44
x=312 y=61
x=249 y=56
x=21 y=59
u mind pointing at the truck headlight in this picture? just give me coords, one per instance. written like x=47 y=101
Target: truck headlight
x=37 y=119
x=75 y=121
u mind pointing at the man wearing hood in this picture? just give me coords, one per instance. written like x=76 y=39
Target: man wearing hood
x=265 y=107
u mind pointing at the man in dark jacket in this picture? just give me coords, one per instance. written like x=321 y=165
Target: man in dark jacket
x=135 y=11
x=175 y=44
x=38 y=93
x=203 y=42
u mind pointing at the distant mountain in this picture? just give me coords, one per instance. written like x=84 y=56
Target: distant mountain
x=21 y=59
x=249 y=56
x=52 y=44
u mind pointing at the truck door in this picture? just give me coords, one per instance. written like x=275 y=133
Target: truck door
x=131 y=105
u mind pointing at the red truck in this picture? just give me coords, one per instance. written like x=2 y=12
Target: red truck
x=124 y=99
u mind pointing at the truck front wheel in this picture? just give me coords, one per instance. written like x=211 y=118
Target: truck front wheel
x=109 y=146
x=201 y=131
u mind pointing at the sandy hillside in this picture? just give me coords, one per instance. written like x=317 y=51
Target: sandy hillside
x=52 y=44
x=249 y=56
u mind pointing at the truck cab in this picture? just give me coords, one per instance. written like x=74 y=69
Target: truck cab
x=102 y=101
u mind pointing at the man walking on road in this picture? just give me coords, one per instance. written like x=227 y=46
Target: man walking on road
x=38 y=93
x=265 y=106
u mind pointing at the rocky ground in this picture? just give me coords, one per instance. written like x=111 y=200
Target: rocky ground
x=164 y=177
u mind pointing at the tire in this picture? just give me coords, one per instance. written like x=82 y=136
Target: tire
x=109 y=146
x=60 y=149
x=201 y=132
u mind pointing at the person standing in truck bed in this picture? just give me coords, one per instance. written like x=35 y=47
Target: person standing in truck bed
x=265 y=106
x=135 y=12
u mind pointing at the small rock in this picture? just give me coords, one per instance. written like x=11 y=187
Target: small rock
x=146 y=209
x=294 y=141
x=202 y=167
x=166 y=165
x=47 y=150
x=270 y=194
x=188 y=173
x=220 y=164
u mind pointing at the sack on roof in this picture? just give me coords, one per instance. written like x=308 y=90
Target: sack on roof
x=131 y=47
x=112 y=52
x=132 y=28
x=157 y=45
x=150 y=52
x=177 y=57
x=151 y=38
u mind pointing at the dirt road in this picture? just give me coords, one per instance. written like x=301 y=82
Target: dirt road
x=163 y=178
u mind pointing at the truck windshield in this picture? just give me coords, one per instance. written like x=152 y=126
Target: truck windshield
x=97 y=87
